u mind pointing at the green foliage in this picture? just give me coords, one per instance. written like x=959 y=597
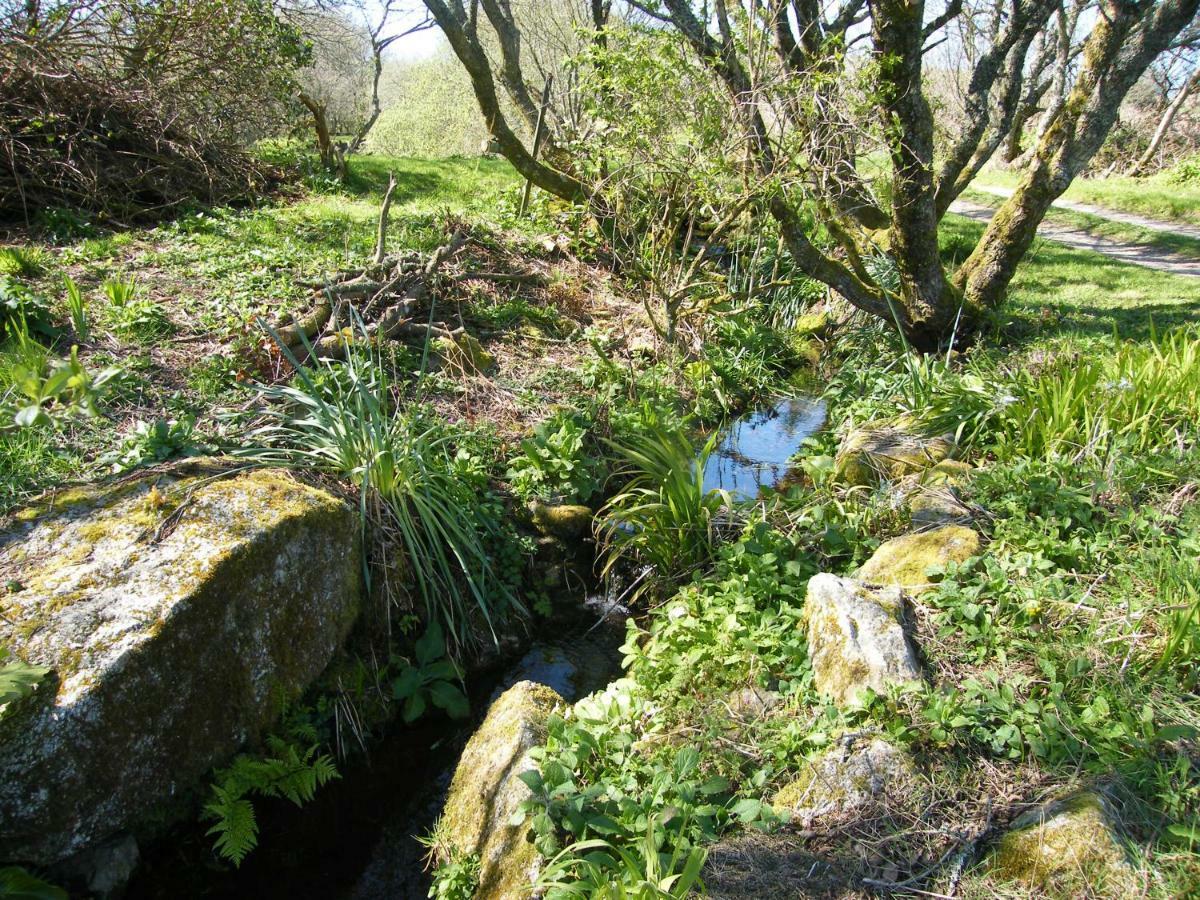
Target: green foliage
x=457 y=878
x=17 y=884
x=339 y=417
x=18 y=679
x=47 y=390
x=22 y=310
x=663 y=522
x=554 y=463
x=77 y=309
x=599 y=870
x=154 y=442
x=434 y=679
x=132 y=316
x=23 y=262
x=289 y=772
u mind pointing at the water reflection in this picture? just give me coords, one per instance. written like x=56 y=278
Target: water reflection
x=754 y=453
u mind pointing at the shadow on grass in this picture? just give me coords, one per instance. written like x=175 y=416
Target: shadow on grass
x=1064 y=290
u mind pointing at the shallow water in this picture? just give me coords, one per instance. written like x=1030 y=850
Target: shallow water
x=755 y=451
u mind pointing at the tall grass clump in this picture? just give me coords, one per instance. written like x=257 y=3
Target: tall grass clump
x=664 y=522
x=339 y=417
x=1143 y=397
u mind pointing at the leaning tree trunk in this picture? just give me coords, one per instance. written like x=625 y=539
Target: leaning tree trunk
x=1122 y=44
x=1164 y=125
x=333 y=159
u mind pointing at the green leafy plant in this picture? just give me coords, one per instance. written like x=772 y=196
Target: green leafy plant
x=664 y=519
x=17 y=884
x=132 y=316
x=289 y=772
x=60 y=388
x=434 y=680
x=77 y=309
x=599 y=870
x=553 y=463
x=155 y=441
x=339 y=417
x=22 y=309
x=18 y=679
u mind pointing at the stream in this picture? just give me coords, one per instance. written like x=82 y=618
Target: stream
x=357 y=839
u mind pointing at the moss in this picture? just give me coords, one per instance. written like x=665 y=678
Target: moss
x=565 y=521
x=815 y=325
x=948 y=472
x=464 y=352
x=847 y=777
x=486 y=791
x=903 y=561
x=1066 y=849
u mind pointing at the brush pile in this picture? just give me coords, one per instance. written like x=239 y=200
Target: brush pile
x=380 y=301
x=71 y=141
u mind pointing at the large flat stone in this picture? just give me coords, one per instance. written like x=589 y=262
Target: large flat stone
x=903 y=561
x=178 y=613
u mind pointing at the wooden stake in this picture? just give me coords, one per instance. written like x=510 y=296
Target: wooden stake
x=537 y=142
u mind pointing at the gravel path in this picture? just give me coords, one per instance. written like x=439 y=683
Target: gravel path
x=1191 y=231
x=1125 y=251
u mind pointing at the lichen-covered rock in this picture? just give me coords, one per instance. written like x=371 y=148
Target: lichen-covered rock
x=177 y=612
x=856 y=637
x=464 y=352
x=817 y=325
x=849 y=777
x=486 y=791
x=903 y=561
x=1067 y=847
x=567 y=521
x=888 y=452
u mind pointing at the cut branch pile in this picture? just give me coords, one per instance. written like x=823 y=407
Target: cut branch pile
x=391 y=297
x=69 y=140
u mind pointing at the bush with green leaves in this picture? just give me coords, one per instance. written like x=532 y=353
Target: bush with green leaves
x=153 y=442
x=555 y=462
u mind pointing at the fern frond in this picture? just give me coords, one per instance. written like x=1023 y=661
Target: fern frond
x=236 y=827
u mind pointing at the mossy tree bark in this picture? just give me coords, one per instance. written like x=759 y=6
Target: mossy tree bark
x=1125 y=39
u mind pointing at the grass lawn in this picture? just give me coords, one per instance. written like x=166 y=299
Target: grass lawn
x=1062 y=290
x=1155 y=197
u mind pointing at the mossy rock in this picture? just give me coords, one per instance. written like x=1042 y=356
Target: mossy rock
x=856 y=638
x=888 y=452
x=952 y=472
x=903 y=561
x=463 y=352
x=1068 y=848
x=847 y=778
x=178 y=613
x=566 y=521
x=486 y=791
x=813 y=325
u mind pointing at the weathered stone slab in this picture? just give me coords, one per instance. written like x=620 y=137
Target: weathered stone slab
x=178 y=614
x=856 y=638
x=487 y=791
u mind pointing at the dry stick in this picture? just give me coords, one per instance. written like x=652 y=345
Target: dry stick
x=381 y=235
x=537 y=142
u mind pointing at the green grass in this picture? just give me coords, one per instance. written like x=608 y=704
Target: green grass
x=1061 y=290
x=1155 y=197
x=1182 y=244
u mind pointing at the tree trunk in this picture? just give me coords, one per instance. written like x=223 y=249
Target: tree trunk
x=1123 y=42
x=333 y=158
x=930 y=303
x=1164 y=125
